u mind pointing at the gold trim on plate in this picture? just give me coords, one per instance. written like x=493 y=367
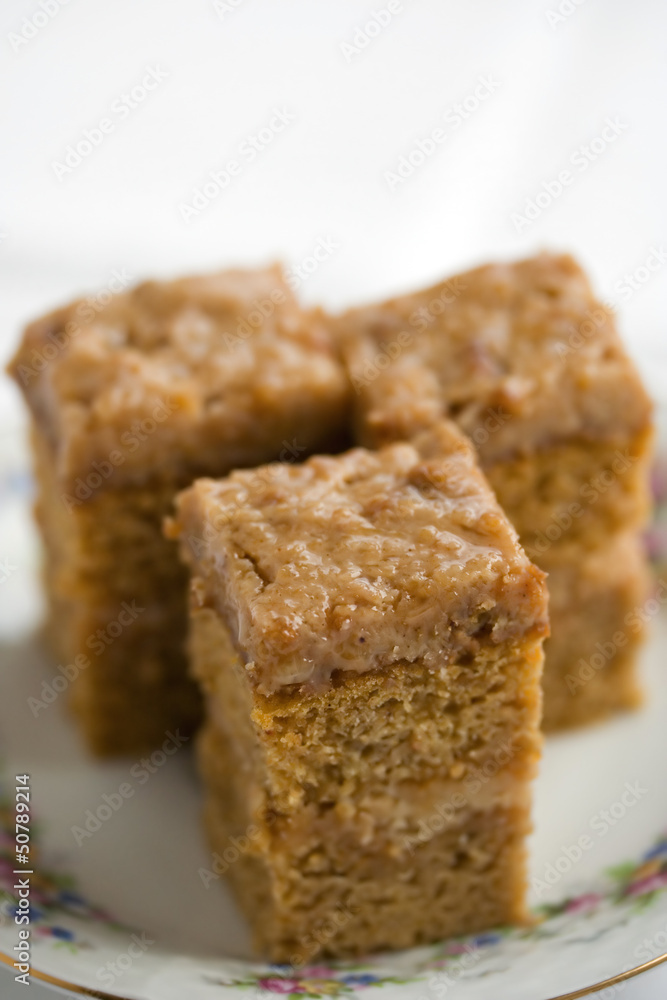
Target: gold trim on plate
x=44 y=977
x=622 y=977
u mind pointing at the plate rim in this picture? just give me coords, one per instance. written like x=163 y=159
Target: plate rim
x=585 y=991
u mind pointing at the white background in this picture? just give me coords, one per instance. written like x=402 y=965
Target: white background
x=355 y=113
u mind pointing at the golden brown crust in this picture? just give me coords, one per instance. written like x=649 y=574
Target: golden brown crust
x=521 y=355
x=182 y=378
x=355 y=562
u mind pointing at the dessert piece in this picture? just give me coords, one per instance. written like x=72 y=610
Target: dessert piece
x=130 y=401
x=531 y=367
x=368 y=637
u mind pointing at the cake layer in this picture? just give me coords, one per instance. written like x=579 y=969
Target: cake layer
x=579 y=493
x=371 y=733
x=130 y=688
x=599 y=615
x=110 y=547
x=466 y=878
x=116 y=602
x=384 y=813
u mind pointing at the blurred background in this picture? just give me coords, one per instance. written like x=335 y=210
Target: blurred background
x=372 y=146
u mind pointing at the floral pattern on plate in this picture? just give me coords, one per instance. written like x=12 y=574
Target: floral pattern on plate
x=634 y=885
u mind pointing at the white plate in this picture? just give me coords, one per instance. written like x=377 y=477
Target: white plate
x=602 y=911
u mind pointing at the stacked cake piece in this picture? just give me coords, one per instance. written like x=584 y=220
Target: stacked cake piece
x=368 y=634
x=530 y=366
x=130 y=402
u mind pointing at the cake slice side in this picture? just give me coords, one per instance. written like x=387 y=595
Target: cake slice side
x=131 y=396
x=383 y=794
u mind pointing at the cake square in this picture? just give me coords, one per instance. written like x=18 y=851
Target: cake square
x=132 y=396
x=368 y=635
x=530 y=365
